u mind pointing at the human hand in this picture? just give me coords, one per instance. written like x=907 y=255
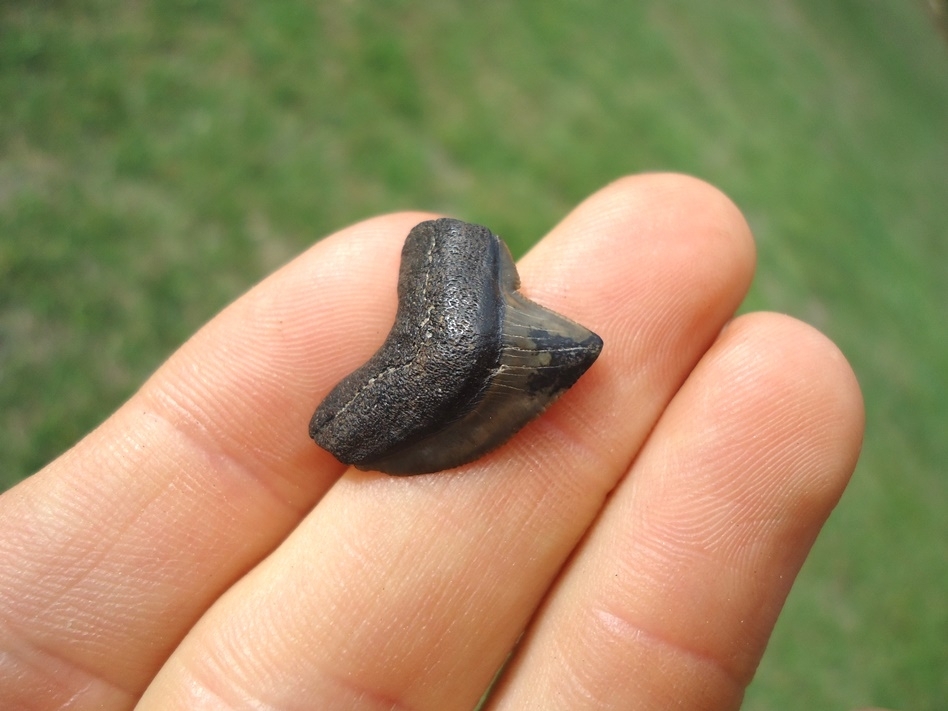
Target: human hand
x=198 y=551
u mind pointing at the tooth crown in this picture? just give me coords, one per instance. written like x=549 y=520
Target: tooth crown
x=468 y=362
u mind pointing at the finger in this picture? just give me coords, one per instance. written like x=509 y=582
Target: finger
x=111 y=553
x=672 y=597
x=410 y=592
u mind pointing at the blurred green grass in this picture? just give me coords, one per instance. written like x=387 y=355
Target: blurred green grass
x=158 y=158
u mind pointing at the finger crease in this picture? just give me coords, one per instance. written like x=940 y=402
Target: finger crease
x=55 y=666
x=627 y=632
x=187 y=423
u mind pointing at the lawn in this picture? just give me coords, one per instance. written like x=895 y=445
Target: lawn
x=158 y=158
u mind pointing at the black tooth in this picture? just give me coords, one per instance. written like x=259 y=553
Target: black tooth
x=468 y=362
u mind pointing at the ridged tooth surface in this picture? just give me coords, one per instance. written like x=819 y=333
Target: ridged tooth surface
x=468 y=362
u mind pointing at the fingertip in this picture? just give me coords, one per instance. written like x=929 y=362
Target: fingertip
x=806 y=365
x=660 y=207
x=663 y=244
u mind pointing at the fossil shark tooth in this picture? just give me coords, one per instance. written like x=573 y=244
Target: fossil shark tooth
x=468 y=362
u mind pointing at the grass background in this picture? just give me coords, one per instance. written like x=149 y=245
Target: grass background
x=157 y=158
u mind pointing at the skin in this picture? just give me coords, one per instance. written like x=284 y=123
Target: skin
x=197 y=551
